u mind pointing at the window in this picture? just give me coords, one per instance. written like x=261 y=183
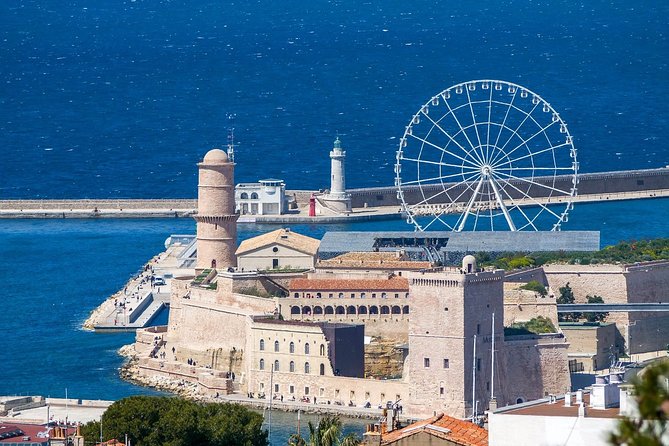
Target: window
x=276 y=346
x=383 y=295
x=276 y=388
x=373 y=295
x=254 y=196
x=341 y=295
x=291 y=347
x=291 y=389
x=322 y=350
x=363 y=295
x=297 y=295
x=275 y=249
x=244 y=196
x=262 y=344
x=292 y=366
x=306 y=348
x=478 y=364
x=306 y=390
x=446 y=363
x=307 y=368
x=441 y=390
x=426 y=362
x=275 y=263
x=352 y=295
x=261 y=366
x=322 y=371
x=276 y=365
x=397 y=295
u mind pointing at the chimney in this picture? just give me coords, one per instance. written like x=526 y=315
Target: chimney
x=567 y=399
x=579 y=396
x=372 y=436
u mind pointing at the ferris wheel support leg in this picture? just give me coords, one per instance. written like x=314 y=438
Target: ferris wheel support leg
x=461 y=226
x=502 y=205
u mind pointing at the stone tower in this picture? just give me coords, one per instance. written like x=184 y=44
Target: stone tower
x=337 y=201
x=448 y=309
x=216 y=218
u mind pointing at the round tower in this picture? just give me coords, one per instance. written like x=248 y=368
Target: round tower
x=338 y=180
x=337 y=201
x=216 y=218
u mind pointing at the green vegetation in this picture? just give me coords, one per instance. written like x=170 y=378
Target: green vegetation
x=623 y=252
x=536 y=325
x=595 y=317
x=327 y=433
x=651 y=427
x=535 y=286
x=566 y=296
x=253 y=291
x=200 y=277
x=151 y=420
x=285 y=269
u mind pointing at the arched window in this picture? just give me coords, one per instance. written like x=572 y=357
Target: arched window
x=307 y=368
x=519 y=401
x=341 y=295
x=262 y=364
x=306 y=348
x=276 y=365
x=329 y=310
x=385 y=310
x=322 y=369
x=244 y=196
x=405 y=309
x=363 y=295
x=322 y=350
x=396 y=309
x=350 y=309
x=383 y=295
x=373 y=309
x=292 y=366
x=291 y=347
x=318 y=310
x=294 y=309
x=362 y=310
x=296 y=295
x=254 y=196
x=262 y=344
x=276 y=346
x=340 y=310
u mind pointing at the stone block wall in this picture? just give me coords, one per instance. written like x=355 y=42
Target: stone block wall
x=523 y=305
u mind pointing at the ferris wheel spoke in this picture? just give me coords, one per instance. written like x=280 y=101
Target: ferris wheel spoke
x=451 y=138
x=520 y=209
x=476 y=128
x=524 y=142
x=503 y=125
x=487 y=133
x=445 y=191
x=425 y=141
x=515 y=131
x=529 y=155
x=437 y=217
x=537 y=202
x=535 y=168
x=514 y=177
x=499 y=200
x=428 y=180
x=439 y=163
x=471 y=201
x=462 y=129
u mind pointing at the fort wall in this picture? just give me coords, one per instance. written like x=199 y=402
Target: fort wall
x=523 y=305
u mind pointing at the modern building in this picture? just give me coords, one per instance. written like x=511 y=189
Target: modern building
x=280 y=249
x=216 y=218
x=266 y=197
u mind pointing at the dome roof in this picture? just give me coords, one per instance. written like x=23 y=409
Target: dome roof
x=216 y=156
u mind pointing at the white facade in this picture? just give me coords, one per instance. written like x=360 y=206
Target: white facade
x=337 y=200
x=275 y=256
x=266 y=197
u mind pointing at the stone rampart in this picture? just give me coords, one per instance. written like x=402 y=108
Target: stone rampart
x=544 y=365
x=523 y=305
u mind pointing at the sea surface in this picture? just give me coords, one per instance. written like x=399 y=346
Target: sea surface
x=121 y=99
x=118 y=98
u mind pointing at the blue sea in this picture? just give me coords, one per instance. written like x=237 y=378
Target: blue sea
x=121 y=99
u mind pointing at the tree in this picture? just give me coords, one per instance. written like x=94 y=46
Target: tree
x=150 y=420
x=595 y=317
x=327 y=433
x=566 y=297
x=651 y=426
x=535 y=286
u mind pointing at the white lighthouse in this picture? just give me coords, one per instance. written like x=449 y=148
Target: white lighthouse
x=337 y=200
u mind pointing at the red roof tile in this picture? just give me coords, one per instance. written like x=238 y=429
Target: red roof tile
x=391 y=284
x=459 y=432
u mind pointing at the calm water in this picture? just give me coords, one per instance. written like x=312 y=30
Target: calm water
x=122 y=98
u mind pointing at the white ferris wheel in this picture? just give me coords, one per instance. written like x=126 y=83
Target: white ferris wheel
x=486 y=155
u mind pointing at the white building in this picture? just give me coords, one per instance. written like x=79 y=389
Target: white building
x=337 y=201
x=266 y=197
x=278 y=249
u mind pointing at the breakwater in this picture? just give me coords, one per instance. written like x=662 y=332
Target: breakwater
x=368 y=203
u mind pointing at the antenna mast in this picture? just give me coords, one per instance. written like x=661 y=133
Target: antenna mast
x=231 y=137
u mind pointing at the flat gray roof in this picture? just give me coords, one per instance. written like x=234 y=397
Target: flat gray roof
x=334 y=243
